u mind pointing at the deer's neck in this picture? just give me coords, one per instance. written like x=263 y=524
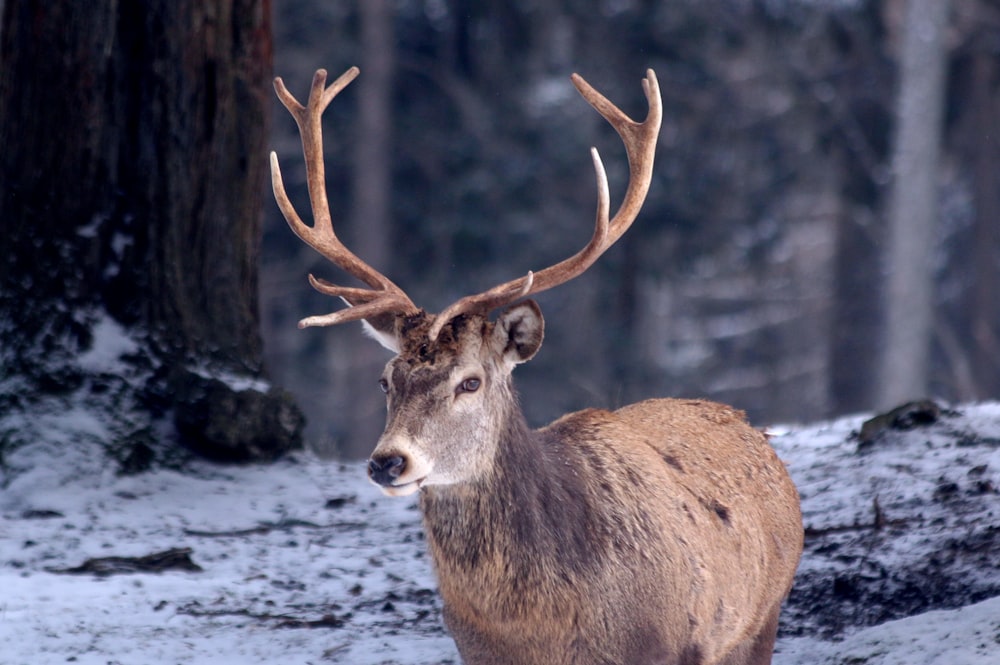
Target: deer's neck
x=532 y=515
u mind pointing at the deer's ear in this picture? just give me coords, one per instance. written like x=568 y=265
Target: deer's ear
x=385 y=335
x=380 y=327
x=518 y=332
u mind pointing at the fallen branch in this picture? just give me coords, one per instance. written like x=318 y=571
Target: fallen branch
x=268 y=527
x=178 y=558
x=284 y=620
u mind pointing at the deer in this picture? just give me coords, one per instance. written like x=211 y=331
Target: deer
x=667 y=531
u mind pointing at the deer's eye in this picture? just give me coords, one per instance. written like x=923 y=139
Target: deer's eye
x=384 y=385
x=469 y=385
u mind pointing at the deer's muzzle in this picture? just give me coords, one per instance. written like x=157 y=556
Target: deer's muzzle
x=397 y=473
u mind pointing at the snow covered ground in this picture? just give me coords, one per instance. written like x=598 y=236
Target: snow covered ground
x=305 y=562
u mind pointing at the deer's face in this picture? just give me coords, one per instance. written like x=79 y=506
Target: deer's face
x=448 y=401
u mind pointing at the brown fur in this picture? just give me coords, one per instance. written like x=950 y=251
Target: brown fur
x=665 y=532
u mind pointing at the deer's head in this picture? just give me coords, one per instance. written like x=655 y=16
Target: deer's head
x=448 y=389
x=448 y=399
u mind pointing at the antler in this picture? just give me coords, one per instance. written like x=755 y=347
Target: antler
x=640 y=144
x=383 y=296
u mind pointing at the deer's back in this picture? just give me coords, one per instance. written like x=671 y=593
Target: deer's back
x=700 y=468
x=729 y=527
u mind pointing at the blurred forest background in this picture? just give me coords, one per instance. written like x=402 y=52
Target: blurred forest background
x=821 y=236
x=784 y=197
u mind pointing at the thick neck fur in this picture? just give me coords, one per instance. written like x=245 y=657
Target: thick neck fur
x=505 y=538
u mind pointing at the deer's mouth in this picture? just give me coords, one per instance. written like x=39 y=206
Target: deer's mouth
x=403 y=489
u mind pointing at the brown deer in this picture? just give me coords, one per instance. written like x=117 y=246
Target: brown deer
x=666 y=531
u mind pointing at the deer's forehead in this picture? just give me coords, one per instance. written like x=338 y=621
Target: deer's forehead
x=460 y=341
x=420 y=374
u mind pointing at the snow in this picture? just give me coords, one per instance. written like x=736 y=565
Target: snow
x=304 y=562
x=907 y=523
x=111 y=342
x=271 y=552
x=835 y=481
x=236 y=382
x=966 y=636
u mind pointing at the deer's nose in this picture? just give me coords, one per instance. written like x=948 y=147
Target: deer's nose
x=384 y=470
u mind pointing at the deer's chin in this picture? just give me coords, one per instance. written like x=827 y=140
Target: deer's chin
x=406 y=489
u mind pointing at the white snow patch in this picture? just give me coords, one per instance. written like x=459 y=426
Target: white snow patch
x=236 y=382
x=90 y=230
x=111 y=342
x=269 y=548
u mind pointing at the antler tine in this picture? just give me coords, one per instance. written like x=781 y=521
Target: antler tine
x=384 y=295
x=640 y=145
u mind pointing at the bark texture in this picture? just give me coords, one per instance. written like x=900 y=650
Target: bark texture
x=132 y=179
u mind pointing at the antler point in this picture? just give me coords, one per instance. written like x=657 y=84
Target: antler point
x=529 y=281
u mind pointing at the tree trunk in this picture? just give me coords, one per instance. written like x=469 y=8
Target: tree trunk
x=913 y=204
x=133 y=175
x=370 y=222
x=985 y=305
x=855 y=320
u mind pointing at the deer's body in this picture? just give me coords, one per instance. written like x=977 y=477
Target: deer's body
x=666 y=532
